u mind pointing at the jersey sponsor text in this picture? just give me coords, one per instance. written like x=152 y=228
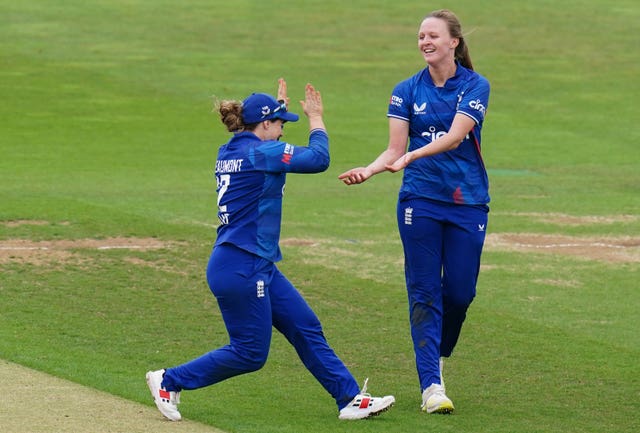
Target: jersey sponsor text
x=287 y=154
x=396 y=100
x=477 y=105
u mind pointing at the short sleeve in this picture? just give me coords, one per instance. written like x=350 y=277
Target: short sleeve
x=400 y=101
x=475 y=100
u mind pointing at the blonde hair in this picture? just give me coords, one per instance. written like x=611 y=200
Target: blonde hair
x=455 y=30
x=230 y=114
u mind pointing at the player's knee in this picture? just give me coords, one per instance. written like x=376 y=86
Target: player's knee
x=256 y=364
x=460 y=299
x=251 y=355
x=254 y=360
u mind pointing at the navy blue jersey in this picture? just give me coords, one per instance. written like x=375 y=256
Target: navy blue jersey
x=251 y=175
x=456 y=176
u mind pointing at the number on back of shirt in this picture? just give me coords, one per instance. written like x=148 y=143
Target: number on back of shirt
x=223 y=181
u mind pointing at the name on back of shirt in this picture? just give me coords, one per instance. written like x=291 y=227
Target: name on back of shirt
x=228 y=165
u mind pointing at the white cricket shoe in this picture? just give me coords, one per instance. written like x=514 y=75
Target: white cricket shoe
x=166 y=401
x=364 y=406
x=434 y=400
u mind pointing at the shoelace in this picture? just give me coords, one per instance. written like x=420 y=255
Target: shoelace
x=439 y=390
x=364 y=387
x=363 y=394
x=176 y=397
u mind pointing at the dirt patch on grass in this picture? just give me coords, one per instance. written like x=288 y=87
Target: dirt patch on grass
x=605 y=249
x=18 y=223
x=297 y=242
x=61 y=251
x=38 y=403
x=610 y=249
x=573 y=220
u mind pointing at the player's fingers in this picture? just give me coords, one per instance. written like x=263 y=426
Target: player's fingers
x=345 y=175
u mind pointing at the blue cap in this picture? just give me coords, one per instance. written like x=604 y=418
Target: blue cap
x=259 y=107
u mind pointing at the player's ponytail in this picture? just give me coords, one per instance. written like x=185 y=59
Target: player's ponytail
x=231 y=115
x=455 y=29
x=462 y=54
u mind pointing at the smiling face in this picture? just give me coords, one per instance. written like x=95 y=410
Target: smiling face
x=435 y=41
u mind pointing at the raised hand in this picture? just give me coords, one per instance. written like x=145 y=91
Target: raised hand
x=282 y=92
x=312 y=104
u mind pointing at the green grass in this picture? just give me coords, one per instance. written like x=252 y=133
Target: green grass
x=107 y=131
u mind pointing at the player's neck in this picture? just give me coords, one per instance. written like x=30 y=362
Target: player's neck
x=440 y=73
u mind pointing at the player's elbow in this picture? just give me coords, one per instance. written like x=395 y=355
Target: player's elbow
x=320 y=163
x=317 y=164
x=324 y=163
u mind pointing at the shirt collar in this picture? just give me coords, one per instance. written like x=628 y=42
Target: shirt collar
x=451 y=83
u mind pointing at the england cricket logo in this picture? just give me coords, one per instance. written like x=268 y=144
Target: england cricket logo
x=260 y=289
x=408 y=216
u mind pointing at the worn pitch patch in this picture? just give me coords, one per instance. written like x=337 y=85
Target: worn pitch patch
x=40 y=252
x=39 y=402
x=601 y=248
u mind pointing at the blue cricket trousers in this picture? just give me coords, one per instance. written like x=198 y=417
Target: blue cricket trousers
x=253 y=295
x=442 y=245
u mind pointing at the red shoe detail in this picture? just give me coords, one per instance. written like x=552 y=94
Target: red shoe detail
x=364 y=403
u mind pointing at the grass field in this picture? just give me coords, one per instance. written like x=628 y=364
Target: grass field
x=107 y=215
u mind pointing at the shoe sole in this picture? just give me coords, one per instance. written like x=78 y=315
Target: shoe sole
x=383 y=410
x=378 y=412
x=370 y=414
x=443 y=410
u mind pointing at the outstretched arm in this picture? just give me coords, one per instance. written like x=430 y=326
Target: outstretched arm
x=460 y=127
x=398 y=136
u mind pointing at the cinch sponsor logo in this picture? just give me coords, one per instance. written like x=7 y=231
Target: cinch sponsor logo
x=432 y=134
x=419 y=109
x=477 y=105
x=396 y=100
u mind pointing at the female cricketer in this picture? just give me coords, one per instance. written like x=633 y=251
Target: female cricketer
x=253 y=295
x=443 y=201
